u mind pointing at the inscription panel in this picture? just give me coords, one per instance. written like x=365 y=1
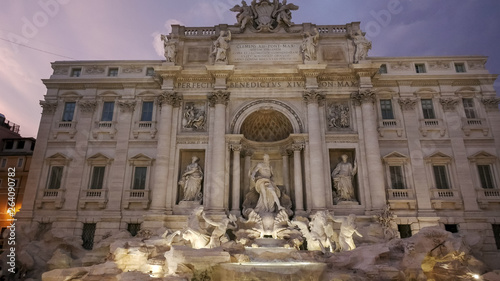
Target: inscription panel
x=261 y=53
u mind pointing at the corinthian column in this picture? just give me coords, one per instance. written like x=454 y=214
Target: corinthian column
x=215 y=197
x=235 y=206
x=297 y=177
x=313 y=98
x=167 y=102
x=366 y=98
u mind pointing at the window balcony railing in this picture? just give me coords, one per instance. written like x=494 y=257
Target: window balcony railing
x=427 y=125
x=485 y=197
x=65 y=127
x=402 y=198
x=52 y=196
x=145 y=127
x=474 y=124
x=139 y=196
x=97 y=196
x=105 y=128
x=446 y=199
x=387 y=125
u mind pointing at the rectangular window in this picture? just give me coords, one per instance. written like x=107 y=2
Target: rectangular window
x=113 y=71
x=20 y=144
x=404 y=230
x=140 y=178
x=496 y=234
x=76 y=72
x=428 y=109
x=397 y=180
x=69 y=110
x=9 y=144
x=469 y=108
x=453 y=228
x=383 y=69
x=4 y=162
x=55 y=177
x=386 y=107
x=150 y=71
x=88 y=233
x=147 y=111
x=133 y=228
x=107 y=111
x=459 y=67
x=440 y=177
x=20 y=162
x=97 y=177
x=420 y=68
x=485 y=176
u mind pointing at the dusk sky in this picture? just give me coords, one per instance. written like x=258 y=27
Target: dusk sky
x=54 y=30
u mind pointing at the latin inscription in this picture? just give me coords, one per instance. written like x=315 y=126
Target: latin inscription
x=265 y=53
x=272 y=84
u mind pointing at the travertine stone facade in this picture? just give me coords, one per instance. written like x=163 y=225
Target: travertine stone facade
x=423 y=131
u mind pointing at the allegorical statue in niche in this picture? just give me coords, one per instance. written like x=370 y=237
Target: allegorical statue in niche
x=342 y=179
x=221 y=45
x=362 y=46
x=245 y=14
x=347 y=230
x=309 y=44
x=269 y=193
x=191 y=180
x=169 y=48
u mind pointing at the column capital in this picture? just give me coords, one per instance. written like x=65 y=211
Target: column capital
x=48 y=107
x=407 y=103
x=449 y=104
x=285 y=151
x=236 y=147
x=170 y=98
x=298 y=146
x=87 y=106
x=491 y=103
x=363 y=96
x=218 y=97
x=313 y=96
x=127 y=105
x=248 y=152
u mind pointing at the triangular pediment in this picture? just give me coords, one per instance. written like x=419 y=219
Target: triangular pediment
x=482 y=155
x=426 y=92
x=58 y=158
x=108 y=94
x=438 y=156
x=141 y=159
x=395 y=154
x=99 y=158
x=70 y=95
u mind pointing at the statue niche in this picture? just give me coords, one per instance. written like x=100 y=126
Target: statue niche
x=344 y=181
x=191 y=178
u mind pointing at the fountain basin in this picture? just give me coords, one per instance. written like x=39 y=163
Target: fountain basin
x=277 y=271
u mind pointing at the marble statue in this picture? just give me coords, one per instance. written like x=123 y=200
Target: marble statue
x=221 y=45
x=319 y=233
x=309 y=44
x=283 y=14
x=362 y=46
x=342 y=179
x=347 y=230
x=170 y=48
x=245 y=15
x=269 y=193
x=218 y=235
x=387 y=220
x=191 y=181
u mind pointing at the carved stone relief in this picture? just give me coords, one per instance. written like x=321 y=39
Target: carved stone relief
x=61 y=70
x=95 y=69
x=48 y=107
x=87 y=106
x=338 y=116
x=449 y=104
x=401 y=66
x=132 y=69
x=408 y=103
x=439 y=65
x=194 y=116
x=476 y=64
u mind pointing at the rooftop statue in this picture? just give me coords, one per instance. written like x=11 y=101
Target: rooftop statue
x=170 y=48
x=309 y=44
x=264 y=15
x=221 y=45
x=362 y=46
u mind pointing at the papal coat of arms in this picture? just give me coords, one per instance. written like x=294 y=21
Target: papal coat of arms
x=264 y=16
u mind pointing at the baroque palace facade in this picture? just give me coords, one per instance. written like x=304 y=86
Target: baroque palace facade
x=118 y=139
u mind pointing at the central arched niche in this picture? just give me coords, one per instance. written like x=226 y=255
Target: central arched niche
x=266 y=125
